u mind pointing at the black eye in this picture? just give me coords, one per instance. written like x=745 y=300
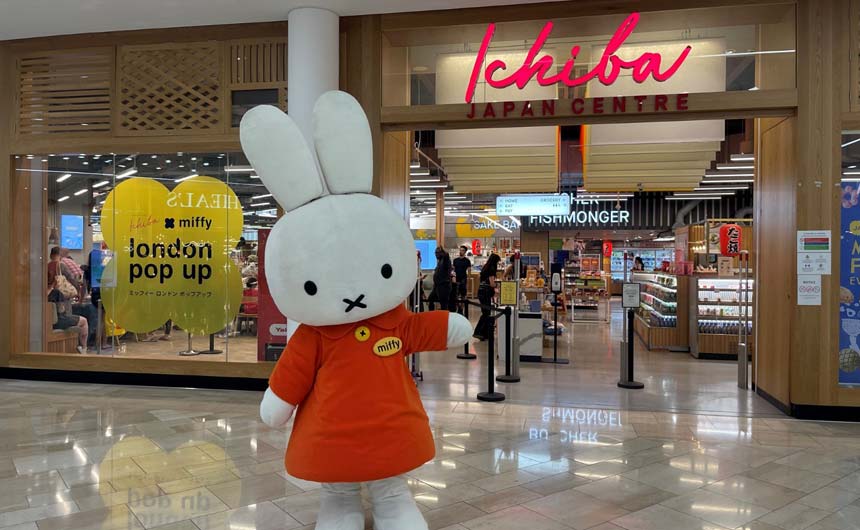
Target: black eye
x=310 y=288
x=386 y=271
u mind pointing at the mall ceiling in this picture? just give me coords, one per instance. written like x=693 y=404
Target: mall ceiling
x=21 y=19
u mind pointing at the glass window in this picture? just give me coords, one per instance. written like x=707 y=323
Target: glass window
x=148 y=255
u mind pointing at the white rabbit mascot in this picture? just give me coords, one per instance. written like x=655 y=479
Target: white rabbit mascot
x=341 y=262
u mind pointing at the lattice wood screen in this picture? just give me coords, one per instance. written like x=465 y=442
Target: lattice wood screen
x=257 y=63
x=169 y=88
x=65 y=91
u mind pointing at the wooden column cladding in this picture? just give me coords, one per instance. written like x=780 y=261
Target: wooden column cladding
x=774 y=214
x=362 y=52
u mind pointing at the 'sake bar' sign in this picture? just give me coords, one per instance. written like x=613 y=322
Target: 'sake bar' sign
x=606 y=71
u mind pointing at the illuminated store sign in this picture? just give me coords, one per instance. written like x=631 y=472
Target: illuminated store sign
x=606 y=70
x=582 y=217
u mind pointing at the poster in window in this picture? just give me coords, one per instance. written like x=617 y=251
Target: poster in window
x=849 y=290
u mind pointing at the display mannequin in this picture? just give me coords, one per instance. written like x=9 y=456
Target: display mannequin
x=359 y=416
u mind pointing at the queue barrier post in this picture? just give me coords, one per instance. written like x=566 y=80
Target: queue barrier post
x=464 y=304
x=491 y=394
x=508 y=377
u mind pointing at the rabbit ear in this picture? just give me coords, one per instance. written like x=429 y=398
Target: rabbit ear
x=278 y=151
x=343 y=143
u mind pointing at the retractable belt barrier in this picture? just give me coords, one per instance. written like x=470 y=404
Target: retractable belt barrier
x=490 y=394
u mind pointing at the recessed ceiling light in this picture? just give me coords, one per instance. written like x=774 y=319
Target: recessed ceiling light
x=205 y=163
x=127 y=173
x=64 y=177
x=193 y=158
x=266 y=196
x=167 y=161
x=239 y=169
x=100 y=184
x=144 y=163
x=154 y=157
x=63 y=198
x=80 y=192
x=260 y=204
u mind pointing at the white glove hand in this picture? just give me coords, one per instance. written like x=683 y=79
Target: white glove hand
x=274 y=411
x=459 y=330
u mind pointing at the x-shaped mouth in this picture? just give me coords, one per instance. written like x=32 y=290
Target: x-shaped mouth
x=356 y=303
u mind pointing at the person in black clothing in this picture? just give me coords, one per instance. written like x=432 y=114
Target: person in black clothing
x=486 y=291
x=441 y=281
x=461 y=270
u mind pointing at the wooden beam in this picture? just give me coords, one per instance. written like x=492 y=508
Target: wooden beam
x=104 y=363
x=221 y=32
x=705 y=105
x=548 y=11
x=592 y=29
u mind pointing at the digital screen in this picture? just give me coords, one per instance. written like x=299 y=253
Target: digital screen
x=427 y=247
x=533 y=204
x=72 y=232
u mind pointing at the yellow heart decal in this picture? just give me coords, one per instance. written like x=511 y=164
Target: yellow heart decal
x=171 y=255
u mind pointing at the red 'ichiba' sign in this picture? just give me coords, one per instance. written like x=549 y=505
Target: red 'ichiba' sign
x=606 y=70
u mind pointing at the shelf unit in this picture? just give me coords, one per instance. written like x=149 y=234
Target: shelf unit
x=589 y=295
x=714 y=317
x=660 y=322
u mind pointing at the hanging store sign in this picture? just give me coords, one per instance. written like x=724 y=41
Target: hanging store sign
x=647 y=66
x=607 y=249
x=730 y=240
x=533 y=204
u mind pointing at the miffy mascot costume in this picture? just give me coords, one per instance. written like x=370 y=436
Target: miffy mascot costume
x=341 y=262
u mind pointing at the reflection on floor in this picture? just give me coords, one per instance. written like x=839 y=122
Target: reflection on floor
x=87 y=457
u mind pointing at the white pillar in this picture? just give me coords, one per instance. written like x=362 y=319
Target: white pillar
x=312 y=62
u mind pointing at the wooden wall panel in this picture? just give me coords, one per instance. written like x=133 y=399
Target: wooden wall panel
x=65 y=91
x=823 y=79
x=774 y=265
x=7 y=106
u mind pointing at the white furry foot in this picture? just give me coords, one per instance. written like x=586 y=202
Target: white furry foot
x=340 y=507
x=393 y=506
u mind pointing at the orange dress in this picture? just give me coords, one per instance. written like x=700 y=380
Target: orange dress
x=359 y=416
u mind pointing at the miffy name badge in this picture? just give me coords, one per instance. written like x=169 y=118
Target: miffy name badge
x=387 y=346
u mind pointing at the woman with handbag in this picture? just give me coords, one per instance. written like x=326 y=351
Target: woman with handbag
x=62 y=291
x=486 y=292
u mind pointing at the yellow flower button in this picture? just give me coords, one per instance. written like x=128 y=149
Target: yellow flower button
x=362 y=333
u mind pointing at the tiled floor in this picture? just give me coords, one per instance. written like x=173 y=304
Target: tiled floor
x=107 y=457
